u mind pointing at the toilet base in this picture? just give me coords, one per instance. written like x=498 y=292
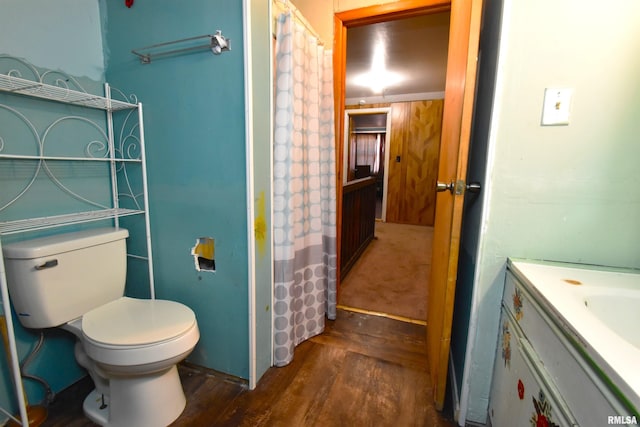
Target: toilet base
x=94 y=409
x=150 y=400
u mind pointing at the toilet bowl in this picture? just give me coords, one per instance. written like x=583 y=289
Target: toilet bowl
x=135 y=344
x=136 y=335
x=129 y=346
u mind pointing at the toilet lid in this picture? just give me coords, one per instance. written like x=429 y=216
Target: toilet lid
x=131 y=321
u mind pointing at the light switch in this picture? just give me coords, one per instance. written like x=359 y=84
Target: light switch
x=556 y=107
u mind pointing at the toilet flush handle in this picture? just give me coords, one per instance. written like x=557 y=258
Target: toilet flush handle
x=49 y=264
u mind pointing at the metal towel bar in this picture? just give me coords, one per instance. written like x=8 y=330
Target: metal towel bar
x=217 y=43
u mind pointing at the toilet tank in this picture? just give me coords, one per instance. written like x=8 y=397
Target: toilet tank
x=55 y=279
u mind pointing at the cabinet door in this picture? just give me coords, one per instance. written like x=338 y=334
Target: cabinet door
x=522 y=393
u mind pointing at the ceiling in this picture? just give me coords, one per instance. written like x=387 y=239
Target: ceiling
x=415 y=47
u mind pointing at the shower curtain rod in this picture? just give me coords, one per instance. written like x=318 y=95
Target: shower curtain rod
x=287 y=6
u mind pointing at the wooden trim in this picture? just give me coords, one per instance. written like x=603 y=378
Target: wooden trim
x=339 y=73
x=381 y=314
x=355 y=185
x=389 y=11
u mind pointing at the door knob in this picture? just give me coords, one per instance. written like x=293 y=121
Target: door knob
x=474 y=187
x=441 y=186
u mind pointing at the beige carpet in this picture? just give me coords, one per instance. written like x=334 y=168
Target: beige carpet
x=392 y=274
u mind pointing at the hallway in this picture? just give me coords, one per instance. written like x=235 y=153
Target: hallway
x=362 y=371
x=392 y=275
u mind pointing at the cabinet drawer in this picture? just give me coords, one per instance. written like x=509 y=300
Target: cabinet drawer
x=584 y=391
x=523 y=394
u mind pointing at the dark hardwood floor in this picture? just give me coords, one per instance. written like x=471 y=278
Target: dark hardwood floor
x=362 y=371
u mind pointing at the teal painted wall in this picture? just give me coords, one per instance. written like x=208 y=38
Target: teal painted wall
x=194 y=111
x=566 y=193
x=195 y=136
x=63 y=36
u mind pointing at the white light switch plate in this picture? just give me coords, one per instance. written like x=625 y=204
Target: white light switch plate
x=556 y=107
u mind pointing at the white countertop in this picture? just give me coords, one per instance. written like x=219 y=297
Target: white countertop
x=561 y=289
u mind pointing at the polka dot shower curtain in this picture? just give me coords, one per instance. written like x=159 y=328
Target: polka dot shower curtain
x=304 y=199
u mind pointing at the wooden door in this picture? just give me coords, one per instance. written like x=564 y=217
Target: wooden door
x=395 y=180
x=456 y=126
x=414 y=144
x=458 y=107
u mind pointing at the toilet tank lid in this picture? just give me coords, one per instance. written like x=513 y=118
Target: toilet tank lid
x=60 y=243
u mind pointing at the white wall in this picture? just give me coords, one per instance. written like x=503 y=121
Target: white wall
x=567 y=193
x=320 y=13
x=259 y=80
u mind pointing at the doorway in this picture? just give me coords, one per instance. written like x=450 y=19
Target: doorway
x=413 y=111
x=457 y=116
x=365 y=151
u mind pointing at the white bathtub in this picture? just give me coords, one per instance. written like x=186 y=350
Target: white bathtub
x=599 y=309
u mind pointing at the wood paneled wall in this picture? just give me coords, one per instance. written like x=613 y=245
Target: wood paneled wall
x=414 y=147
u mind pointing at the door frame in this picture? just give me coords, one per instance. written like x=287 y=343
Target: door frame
x=353 y=18
x=458 y=112
x=345 y=143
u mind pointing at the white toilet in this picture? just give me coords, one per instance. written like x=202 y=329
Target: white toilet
x=129 y=346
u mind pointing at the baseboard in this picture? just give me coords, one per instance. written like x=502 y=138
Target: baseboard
x=212 y=372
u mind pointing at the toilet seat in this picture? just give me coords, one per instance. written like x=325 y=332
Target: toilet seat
x=136 y=322
x=130 y=332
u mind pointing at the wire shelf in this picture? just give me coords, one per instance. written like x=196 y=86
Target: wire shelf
x=13 y=84
x=126 y=147
x=68 y=159
x=33 y=224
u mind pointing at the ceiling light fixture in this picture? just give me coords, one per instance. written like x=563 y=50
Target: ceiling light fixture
x=378 y=78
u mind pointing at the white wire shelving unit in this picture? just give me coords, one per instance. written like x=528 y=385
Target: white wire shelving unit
x=119 y=148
